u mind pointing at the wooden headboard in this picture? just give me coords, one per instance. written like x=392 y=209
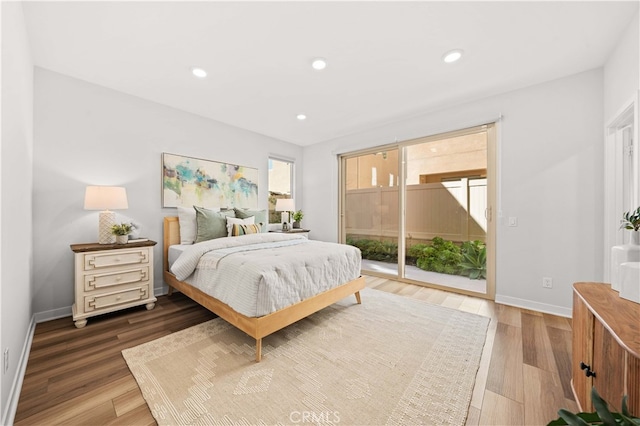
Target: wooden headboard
x=171 y=236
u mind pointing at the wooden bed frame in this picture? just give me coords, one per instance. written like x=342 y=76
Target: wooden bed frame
x=255 y=327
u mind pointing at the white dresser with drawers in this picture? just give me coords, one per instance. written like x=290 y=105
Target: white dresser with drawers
x=110 y=277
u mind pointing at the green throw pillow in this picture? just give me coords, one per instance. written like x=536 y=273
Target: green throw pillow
x=260 y=216
x=211 y=224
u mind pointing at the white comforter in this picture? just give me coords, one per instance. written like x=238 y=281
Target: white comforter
x=259 y=274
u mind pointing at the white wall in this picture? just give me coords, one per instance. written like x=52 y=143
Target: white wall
x=622 y=70
x=550 y=179
x=87 y=134
x=16 y=271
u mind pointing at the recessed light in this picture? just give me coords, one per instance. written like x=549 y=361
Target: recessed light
x=198 y=72
x=452 y=56
x=301 y=117
x=319 y=64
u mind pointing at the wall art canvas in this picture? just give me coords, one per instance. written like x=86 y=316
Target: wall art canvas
x=188 y=181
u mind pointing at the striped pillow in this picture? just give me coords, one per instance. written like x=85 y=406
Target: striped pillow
x=238 y=229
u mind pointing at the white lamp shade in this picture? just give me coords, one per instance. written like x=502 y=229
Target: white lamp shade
x=105 y=198
x=285 y=205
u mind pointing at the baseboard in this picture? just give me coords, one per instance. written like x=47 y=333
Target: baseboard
x=14 y=394
x=66 y=312
x=534 y=306
x=52 y=314
x=160 y=291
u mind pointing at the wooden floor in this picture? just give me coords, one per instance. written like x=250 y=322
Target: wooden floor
x=79 y=377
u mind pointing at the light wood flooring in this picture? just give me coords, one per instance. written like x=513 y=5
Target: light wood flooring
x=78 y=376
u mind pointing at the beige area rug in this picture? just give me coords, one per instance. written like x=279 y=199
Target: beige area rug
x=392 y=360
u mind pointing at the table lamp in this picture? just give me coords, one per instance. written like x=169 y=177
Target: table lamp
x=105 y=198
x=285 y=205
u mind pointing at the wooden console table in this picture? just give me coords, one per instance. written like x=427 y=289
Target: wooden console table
x=606 y=347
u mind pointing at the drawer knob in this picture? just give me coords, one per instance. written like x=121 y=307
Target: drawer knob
x=118 y=297
x=117 y=259
x=118 y=278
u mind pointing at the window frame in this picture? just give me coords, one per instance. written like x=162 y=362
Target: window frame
x=281 y=159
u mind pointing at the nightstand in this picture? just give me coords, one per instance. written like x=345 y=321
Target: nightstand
x=110 y=277
x=295 y=231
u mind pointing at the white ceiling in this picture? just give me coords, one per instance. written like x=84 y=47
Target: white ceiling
x=384 y=58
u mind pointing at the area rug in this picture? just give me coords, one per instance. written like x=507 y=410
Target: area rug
x=391 y=360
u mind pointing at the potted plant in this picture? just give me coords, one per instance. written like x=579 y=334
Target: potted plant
x=297 y=218
x=122 y=231
x=631 y=221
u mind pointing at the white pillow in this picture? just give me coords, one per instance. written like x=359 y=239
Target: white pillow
x=188 y=224
x=236 y=221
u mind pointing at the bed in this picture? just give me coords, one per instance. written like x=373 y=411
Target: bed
x=257 y=327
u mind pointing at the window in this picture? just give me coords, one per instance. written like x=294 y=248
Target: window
x=280 y=185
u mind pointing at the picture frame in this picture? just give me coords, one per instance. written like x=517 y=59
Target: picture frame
x=189 y=181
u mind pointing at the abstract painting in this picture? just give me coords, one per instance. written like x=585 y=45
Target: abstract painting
x=188 y=181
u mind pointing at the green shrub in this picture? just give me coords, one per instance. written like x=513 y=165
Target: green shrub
x=376 y=250
x=416 y=250
x=441 y=256
x=414 y=253
x=474 y=260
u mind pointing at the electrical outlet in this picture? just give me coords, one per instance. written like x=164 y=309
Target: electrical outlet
x=5 y=361
x=513 y=221
x=547 y=282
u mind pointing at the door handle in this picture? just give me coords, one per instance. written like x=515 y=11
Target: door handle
x=588 y=372
x=487 y=213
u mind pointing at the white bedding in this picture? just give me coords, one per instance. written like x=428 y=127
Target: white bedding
x=259 y=274
x=175 y=251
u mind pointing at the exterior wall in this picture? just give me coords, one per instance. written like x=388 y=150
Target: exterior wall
x=428 y=162
x=460 y=156
x=360 y=170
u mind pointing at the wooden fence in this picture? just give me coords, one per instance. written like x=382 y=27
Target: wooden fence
x=451 y=210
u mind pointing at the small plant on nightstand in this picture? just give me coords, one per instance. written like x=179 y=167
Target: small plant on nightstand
x=297 y=218
x=122 y=231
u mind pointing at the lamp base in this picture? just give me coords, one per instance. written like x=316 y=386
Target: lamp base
x=105 y=222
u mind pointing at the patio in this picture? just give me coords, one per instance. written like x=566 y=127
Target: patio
x=417 y=274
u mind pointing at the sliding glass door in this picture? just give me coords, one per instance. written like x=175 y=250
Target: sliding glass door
x=370 y=208
x=446 y=200
x=420 y=211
